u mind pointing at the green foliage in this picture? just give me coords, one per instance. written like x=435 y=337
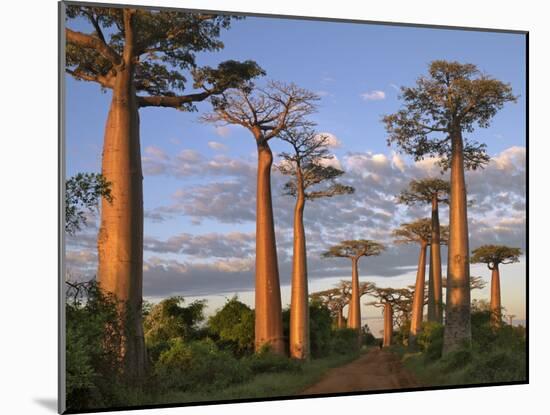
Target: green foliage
x=354 y=249
x=452 y=99
x=419 y=231
x=233 y=325
x=267 y=362
x=169 y=320
x=368 y=337
x=430 y=340
x=82 y=194
x=344 y=341
x=424 y=190
x=93 y=334
x=493 y=255
x=320 y=330
x=198 y=365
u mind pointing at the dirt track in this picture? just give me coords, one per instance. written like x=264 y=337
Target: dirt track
x=378 y=369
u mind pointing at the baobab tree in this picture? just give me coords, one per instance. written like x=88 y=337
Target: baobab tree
x=431 y=191
x=419 y=232
x=141 y=56
x=266 y=113
x=390 y=299
x=307 y=164
x=345 y=287
x=444 y=105
x=335 y=301
x=354 y=250
x=494 y=256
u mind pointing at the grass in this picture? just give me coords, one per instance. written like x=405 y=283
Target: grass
x=266 y=384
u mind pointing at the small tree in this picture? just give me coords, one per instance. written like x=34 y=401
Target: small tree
x=335 y=301
x=419 y=232
x=450 y=101
x=431 y=191
x=354 y=250
x=234 y=324
x=83 y=192
x=266 y=113
x=493 y=256
x=306 y=165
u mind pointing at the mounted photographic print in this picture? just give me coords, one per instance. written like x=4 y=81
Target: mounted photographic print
x=276 y=207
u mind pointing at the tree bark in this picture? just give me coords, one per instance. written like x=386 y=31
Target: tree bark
x=435 y=290
x=120 y=239
x=388 y=324
x=354 y=320
x=457 y=316
x=269 y=325
x=299 y=310
x=496 y=308
x=340 y=321
x=418 y=299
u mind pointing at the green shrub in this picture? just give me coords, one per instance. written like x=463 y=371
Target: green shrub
x=344 y=341
x=456 y=360
x=320 y=329
x=198 y=365
x=268 y=362
x=233 y=327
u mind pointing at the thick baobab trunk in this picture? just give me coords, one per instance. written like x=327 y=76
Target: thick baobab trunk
x=418 y=299
x=388 y=324
x=299 y=310
x=435 y=291
x=340 y=321
x=269 y=325
x=457 y=316
x=120 y=239
x=354 y=319
x=496 y=308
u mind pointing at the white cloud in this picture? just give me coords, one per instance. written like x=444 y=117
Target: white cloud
x=216 y=145
x=223 y=131
x=330 y=139
x=374 y=95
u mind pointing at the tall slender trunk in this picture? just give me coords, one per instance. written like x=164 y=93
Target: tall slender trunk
x=354 y=319
x=388 y=324
x=269 y=324
x=418 y=299
x=340 y=321
x=120 y=239
x=299 y=310
x=496 y=308
x=457 y=316
x=435 y=291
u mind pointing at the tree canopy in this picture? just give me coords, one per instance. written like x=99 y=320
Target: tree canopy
x=354 y=249
x=454 y=97
x=310 y=155
x=493 y=255
x=419 y=231
x=162 y=46
x=424 y=190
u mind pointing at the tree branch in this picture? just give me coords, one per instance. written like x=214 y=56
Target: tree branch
x=172 y=102
x=92 y=42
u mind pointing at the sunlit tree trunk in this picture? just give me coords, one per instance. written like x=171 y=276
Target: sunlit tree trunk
x=435 y=290
x=354 y=319
x=457 y=316
x=120 y=239
x=388 y=324
x=496 y=308
x=340 y=321
x=268 y=326
x=418 y=299
x=299 y=310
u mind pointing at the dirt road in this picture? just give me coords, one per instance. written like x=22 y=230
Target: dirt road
x=378 y=369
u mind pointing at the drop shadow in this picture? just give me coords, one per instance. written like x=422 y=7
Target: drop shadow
x=48 y=403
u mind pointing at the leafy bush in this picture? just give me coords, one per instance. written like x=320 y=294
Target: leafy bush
x=169 y=320
x=368 y=337
x=198 y=365
x=430 y=340
x=456 y=360
x=268 y=362
x=93 y=334
x=344 y=341
x=320 y=329
x=233 y=326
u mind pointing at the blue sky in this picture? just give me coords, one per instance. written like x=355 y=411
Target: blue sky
x=357 y=69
